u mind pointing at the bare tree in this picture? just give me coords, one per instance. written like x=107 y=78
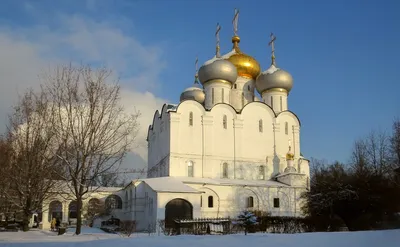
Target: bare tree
x=93 y=131
x=30 y=169
x=395 y=143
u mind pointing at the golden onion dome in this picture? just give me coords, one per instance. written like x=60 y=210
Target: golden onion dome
x=290 y=154
x=246 y=65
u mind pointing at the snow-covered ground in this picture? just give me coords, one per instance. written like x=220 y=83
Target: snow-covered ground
x=97 y=238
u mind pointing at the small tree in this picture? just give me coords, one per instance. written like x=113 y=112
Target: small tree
x=246 y=220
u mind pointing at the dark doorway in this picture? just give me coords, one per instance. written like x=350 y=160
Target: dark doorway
x=177 y=209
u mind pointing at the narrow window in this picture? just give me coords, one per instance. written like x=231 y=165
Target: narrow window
x=212 y=96
x=190 y=168
x=286 y=128
x=261 y=172
x=234 y=86
x=223 y=98
x=250 y=202
x=201 y=201
x=225 y=170
x=248 y=87
x=224 y=122
x=272 y=103
x=260 y=125
x=276 y=202
x=281 y=102
x=191 y=119
x=210 y=202
x=242 y=99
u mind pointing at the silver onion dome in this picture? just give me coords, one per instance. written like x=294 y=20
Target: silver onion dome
x=193 y=93
x=217 y=68
x=274 y=78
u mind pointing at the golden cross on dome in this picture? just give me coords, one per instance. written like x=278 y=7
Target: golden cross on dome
x=235 y=22
x=217 y=38
x=272 y=44
x=196 y=76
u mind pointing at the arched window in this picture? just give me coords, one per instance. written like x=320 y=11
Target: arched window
x=201 y=201
x=113 y=202
x=190 y=168
x=191 y=119
x=286 y=128
x=234 y=86
x=260 y=125
x=248 y=88
x=222 y=94
x=210 y=202
x=281 y=102
x=224 y=122
x=261 y=172
x=212 y=96
x=242 y=99
x=225 y=170
x=272 y=102
x=250 y=202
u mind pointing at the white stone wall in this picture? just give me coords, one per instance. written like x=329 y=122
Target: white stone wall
x=223 y=136
x=242 y=93
x=228 y=201
x=159 y=144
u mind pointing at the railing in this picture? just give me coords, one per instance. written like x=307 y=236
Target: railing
x=202 y=226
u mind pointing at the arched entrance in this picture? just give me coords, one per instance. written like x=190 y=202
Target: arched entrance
x=72 y=214
x=177 y=209
x=55 y=210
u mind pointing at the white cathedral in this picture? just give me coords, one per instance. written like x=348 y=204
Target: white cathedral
x=222 y=149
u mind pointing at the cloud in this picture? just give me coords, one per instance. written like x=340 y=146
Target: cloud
x=26 y=52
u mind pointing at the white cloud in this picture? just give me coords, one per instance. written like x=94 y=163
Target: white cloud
x=25 y=53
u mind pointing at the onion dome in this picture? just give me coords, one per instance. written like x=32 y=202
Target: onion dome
x=195 y=92
x=289 y=160
x=290 y=155
x=274 y=78
x=246 y=65
x=217 y=69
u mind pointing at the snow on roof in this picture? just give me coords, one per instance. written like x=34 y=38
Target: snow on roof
x=224 y=181
x=169 y=184
x=272 y=69
x=171 y=107
x=107 y=189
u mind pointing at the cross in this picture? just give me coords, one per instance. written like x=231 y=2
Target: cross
x=196 y=64
x=196 y=76
x=235 y=22
x=290 y=143
x=217 y=37
x=272 y=44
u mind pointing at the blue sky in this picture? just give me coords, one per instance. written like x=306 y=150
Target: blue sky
x=343 y=55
